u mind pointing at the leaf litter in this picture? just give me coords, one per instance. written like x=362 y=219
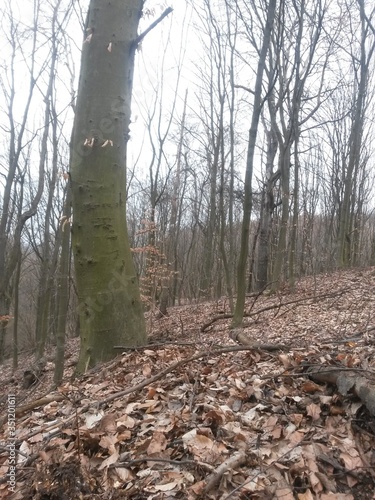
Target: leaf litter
x=194 y=415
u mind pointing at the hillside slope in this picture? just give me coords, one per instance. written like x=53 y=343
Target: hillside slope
x=196 y=415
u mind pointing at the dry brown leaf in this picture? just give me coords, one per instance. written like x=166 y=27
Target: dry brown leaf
x=36 y=439
x=273 y=413
x=109 y=443
x=112 y=459
x=147 y=370
x=158 y=443
x=296 y=418
x=337 y=410
x=124 y=474
x=108 y=423
x=311 y=387
x=124 y=436
x=313 y=411
x=126 y=421
x=198 y=487
x=166 y=486
x=151 y=392
x=277 y=432
x=285 y=360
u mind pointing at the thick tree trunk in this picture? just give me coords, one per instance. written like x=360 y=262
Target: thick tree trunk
x=344 y=245
x=110 y=308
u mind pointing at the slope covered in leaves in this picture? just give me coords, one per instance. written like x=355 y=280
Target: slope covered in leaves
x=195 y=415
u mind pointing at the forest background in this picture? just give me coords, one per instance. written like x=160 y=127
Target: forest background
x=312 y=184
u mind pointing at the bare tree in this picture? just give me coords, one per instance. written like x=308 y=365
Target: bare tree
x=361 y=61
x=19 y=138
x=253 y=132
x=157 y=99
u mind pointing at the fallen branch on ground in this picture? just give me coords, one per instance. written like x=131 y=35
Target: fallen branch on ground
x=230 y=463
x=239 y=336
x=271 y=307
x=34 y=404
x=200 y=355
x=347 y=381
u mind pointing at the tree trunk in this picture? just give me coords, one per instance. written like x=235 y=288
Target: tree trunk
x=17 y=277
x=110 y=308
x=48 y=259
x=169 y=290
x=294 y=228
x=247 y=206
x=266 y=213
x=63 y=290
x=344 y=244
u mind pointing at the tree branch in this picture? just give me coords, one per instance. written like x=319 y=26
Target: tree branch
x=139 y=38
x=244 y=88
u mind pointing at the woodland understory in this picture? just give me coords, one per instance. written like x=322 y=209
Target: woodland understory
x=281 y=187
x=285 y=412
x=221 y=171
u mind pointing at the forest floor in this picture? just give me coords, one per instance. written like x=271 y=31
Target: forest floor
x=195 y=415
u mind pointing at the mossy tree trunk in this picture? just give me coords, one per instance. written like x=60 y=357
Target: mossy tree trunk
x=109 y=301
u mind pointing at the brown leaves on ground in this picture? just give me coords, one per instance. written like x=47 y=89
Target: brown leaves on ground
x=241 y=424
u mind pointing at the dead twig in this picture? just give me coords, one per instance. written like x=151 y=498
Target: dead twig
x=232 y=462
x=129 y=462
x=177 y=364
x=355 y=337
x=239 y=336
x=155 y=345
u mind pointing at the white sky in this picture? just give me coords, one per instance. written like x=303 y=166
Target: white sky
x=156 y=45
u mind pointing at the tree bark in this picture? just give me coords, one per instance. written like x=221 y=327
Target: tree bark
x=110 y=308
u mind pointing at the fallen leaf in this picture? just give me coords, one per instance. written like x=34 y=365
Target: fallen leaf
x=158 y=443
x=146 y=370
x=311 y=387
x=313 y=411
